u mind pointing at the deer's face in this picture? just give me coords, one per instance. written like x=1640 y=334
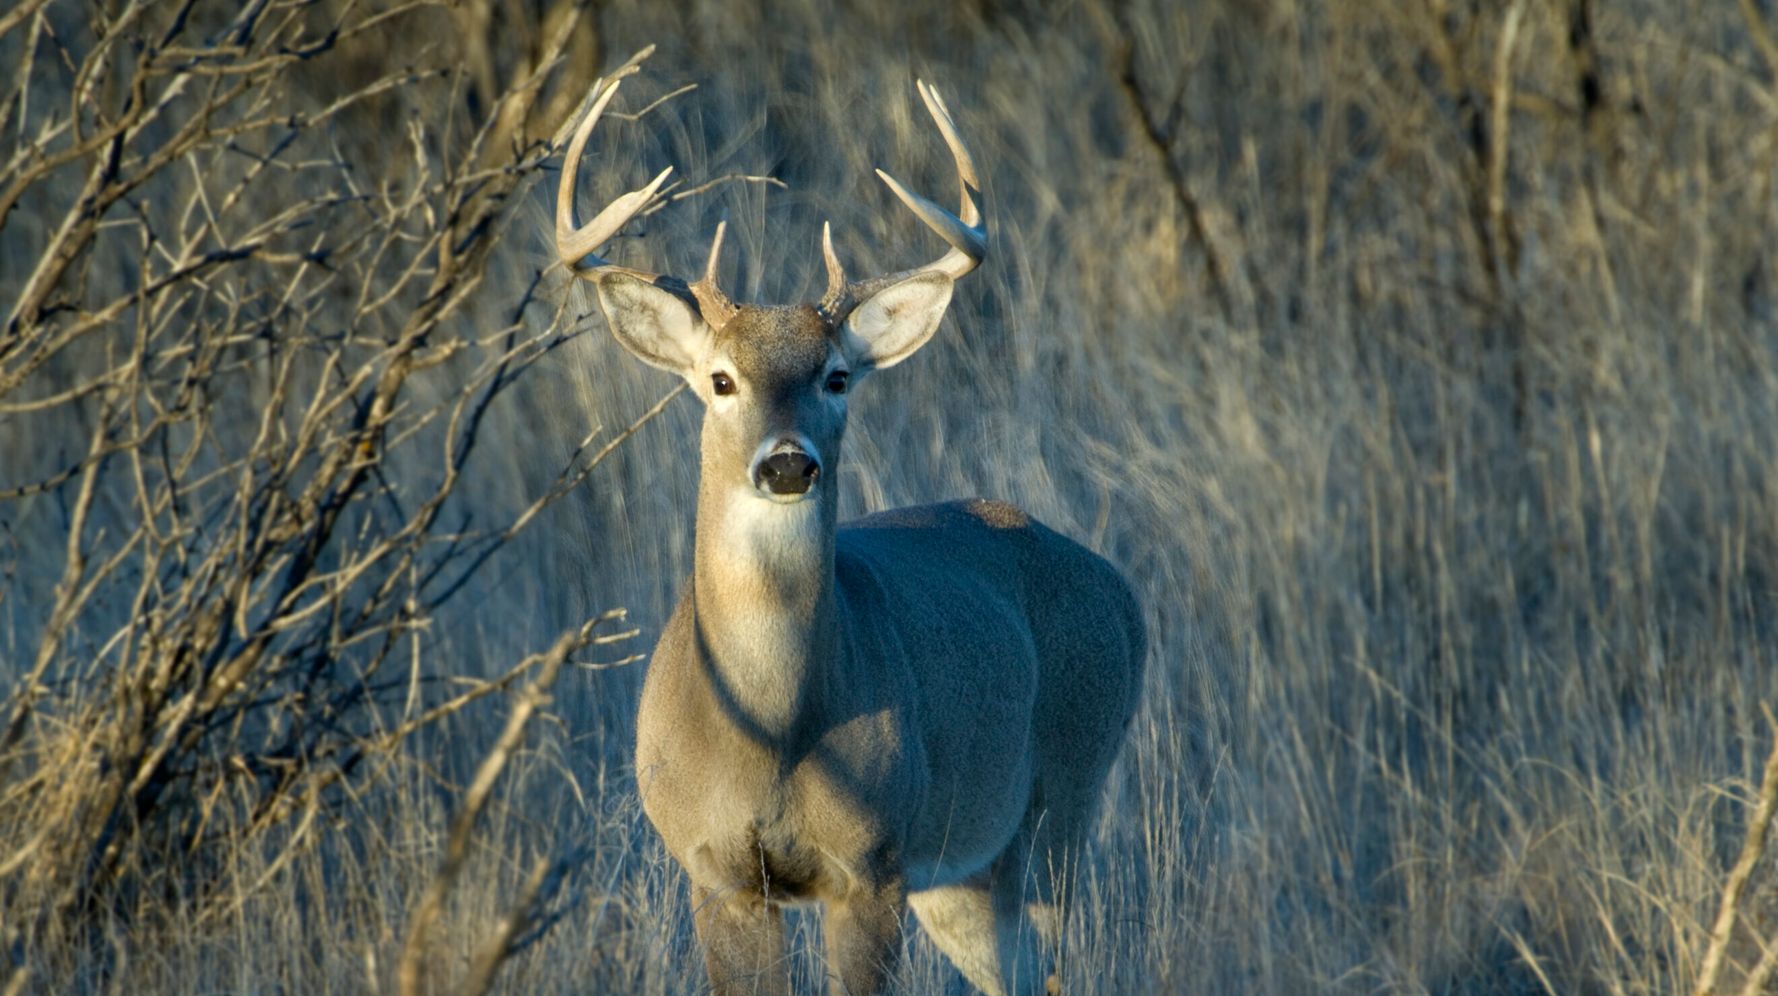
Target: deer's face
x=774 y=383
x=773 y=379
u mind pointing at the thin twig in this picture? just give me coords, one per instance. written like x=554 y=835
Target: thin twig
x=1752 y=847
x=411 y=975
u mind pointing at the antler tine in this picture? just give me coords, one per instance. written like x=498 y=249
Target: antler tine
x=575 y=243
x=970 y=211
x=712 y=302
x=715 y=254
x=837 y=301
x=964 y=230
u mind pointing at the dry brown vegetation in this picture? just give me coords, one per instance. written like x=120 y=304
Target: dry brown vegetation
x=1417 y=360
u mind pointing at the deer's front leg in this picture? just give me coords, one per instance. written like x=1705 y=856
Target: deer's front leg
x=743 y=941
x=863 y=933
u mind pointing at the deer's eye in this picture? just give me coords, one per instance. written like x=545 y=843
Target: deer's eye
x=836 y=382
x=723 y=383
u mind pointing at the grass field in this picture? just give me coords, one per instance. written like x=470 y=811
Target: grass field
x=1417 y=361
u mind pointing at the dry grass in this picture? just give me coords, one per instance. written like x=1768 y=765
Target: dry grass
x=1417 y=361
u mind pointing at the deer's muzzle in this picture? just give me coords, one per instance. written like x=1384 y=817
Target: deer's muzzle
x=787 y=470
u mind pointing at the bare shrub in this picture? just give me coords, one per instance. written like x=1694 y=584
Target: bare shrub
x=276 y=358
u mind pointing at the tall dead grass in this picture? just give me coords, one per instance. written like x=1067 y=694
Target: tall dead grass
x=1417 y=361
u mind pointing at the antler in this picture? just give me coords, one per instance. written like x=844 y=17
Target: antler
x=575 y=243
x=965 y=231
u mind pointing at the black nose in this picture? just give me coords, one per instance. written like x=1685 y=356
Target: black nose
x=788 y=472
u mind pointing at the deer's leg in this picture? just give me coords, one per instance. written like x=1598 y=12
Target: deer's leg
x=863 y=934
x=743 y=941
x=960 y=920
x=980 y=924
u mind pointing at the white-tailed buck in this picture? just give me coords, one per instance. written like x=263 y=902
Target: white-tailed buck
x=917 y=708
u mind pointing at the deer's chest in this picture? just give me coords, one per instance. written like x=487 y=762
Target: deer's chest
x=808 y=823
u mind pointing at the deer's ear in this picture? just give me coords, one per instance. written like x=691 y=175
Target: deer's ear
x=889 y=325
x=660 y=327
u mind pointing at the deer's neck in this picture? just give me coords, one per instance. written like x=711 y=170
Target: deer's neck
x=763 y=589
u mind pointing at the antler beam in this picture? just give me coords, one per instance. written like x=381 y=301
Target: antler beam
x=965 y=230
x=576 y=245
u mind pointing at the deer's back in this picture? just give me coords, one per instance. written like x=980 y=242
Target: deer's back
x=1083 y=621
x=1002 y=623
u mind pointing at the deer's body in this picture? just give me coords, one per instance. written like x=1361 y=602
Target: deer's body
x=955 y=688
x=917 y=709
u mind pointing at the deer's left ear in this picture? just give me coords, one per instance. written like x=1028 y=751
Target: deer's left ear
x=888 y=326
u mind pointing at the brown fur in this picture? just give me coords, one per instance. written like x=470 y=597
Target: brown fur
x=918 y=707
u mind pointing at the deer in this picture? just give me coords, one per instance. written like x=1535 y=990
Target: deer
x=917 y=709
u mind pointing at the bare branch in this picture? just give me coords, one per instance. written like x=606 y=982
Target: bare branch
x=1752 y=848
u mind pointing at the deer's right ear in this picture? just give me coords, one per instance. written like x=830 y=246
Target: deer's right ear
x=660 y=327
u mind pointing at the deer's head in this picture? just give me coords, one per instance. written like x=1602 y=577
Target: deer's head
x=773 y=378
